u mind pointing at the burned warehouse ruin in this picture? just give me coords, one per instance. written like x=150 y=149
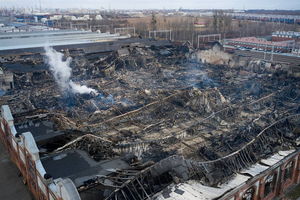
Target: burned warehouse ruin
x=133 y=119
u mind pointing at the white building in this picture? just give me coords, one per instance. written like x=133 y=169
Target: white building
x=98 y=17
x=56 y=17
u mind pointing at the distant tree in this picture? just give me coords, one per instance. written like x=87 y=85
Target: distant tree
x=240 y=25
x=221 y=22
x=141 y=29
x=227 y=23
x=153 y=21
x=165 y=20
x=215 y=22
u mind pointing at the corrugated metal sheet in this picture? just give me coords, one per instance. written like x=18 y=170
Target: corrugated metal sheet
x=254 y=170
x=193 y=190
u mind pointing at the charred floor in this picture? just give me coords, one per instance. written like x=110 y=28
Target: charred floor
x=160 y=116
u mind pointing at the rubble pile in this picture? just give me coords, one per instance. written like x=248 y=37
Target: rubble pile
x=165 y=104
x=97 y=148
x=216 y=57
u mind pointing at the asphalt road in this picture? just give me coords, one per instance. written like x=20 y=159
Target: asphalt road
x=11 y=185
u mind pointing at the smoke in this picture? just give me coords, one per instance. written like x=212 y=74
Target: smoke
x=62 y=72
x=214 y=56
x=81 y=89
x=197 y=76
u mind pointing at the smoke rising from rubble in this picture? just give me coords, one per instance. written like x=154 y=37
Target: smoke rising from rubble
x=215 y=56
x=196 y=76
x=62 y=72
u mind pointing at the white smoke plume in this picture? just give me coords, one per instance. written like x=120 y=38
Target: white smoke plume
x=62 y=72
x=81 y=89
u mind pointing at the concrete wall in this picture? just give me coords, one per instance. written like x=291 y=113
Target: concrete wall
x=280 y=186
x=24 y=151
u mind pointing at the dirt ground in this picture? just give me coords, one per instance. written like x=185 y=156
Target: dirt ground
x=11 y=185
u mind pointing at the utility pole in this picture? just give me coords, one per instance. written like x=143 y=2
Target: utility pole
x=272 y=53
x=294 y=46
x=265 y=52
x=193 y=39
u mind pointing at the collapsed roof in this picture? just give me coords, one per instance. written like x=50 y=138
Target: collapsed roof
x=160 y=116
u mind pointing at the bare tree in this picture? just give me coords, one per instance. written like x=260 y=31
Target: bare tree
x=153 y=21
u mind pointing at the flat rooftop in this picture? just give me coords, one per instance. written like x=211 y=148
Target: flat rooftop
x=39 y=33
x=79 y=167
x=259 y=41
x=41 y=130
x=12 y=41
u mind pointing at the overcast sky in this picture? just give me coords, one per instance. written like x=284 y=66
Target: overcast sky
x=160 y=4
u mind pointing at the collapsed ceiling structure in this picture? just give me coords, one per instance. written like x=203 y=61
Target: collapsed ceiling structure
x=159 y=116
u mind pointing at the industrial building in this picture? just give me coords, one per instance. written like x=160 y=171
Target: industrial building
x=22 y=27
x=27 y=40
x=162 y=124
x=288 y=19
x=286 y=35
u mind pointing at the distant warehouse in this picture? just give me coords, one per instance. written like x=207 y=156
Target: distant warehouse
x=39 y=39
x=285 y=35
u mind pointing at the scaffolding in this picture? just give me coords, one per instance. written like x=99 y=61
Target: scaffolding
x=81 y=25
x=99 y=27
x=167 y=32
x=208 y=38
x=125 y=29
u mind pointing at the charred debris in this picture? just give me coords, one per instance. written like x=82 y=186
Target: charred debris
x=160 y=116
